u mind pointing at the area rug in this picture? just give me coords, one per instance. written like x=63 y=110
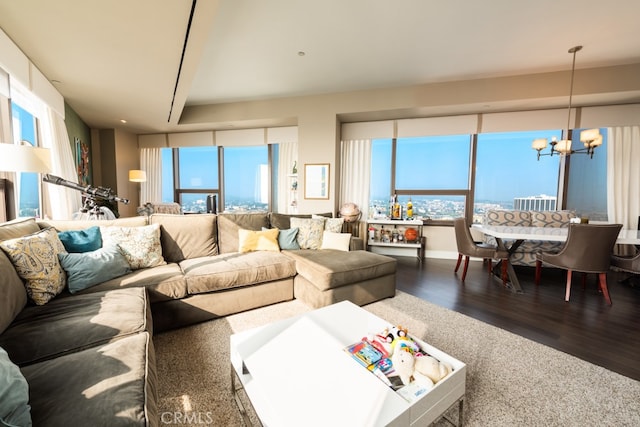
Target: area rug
x=511 y=381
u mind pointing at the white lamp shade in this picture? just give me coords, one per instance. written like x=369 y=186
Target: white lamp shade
x=563 y=146
x=136 y=175
x=24 y=158
x=539 y=144
x=589 y=135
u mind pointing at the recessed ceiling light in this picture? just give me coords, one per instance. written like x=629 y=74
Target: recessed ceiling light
x=301 y=53
x=123 y=121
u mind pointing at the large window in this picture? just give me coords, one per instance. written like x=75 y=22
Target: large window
x=27 y=183
x=246 y=179
x=191 y=174
x=443 y=175
x=433 y=171
x=509 y=176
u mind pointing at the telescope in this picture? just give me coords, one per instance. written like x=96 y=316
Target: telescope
x=91 y=209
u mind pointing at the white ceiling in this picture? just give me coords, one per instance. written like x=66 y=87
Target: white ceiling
x=119 y=59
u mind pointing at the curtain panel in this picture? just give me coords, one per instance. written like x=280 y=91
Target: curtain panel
x=287 y=157
x=623 y=175
x=151 y=162
x=355 y=176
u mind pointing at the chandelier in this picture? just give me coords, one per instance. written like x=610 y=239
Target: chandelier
x=591 y=138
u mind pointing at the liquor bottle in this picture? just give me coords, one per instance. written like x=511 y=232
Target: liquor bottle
x=409 y=209
x=397 y=214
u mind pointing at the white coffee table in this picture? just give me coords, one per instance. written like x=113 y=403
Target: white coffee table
x=296 y=372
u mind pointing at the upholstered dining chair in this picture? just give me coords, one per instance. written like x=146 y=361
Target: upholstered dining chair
x=467 y=248
x=628 y=264
x=587 y=249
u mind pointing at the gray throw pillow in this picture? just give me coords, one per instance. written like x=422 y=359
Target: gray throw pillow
x=287 y=239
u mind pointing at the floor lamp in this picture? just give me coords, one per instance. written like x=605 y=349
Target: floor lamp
x=25 y=158
x=136 y=175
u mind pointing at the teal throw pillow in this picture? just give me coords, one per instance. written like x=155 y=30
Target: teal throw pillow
x=92 y=268
x=14 y=394
x=287 y=239
x=78 y=241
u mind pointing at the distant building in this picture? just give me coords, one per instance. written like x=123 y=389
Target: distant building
x=535 y=203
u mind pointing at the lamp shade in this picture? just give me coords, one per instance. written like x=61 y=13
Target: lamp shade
x=563 y=146
x=24 y=158
x=539 y=144
x=136 y=175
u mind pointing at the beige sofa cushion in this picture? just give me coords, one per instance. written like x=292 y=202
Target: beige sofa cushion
x=66 y=225
x=13 y=295
x=234 y=270
x=18 y=228
x=187 y=236
x=329 y=268
x=229 y=226
x=164 y=282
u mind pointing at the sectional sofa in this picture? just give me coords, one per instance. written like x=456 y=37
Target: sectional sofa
x=85 y=351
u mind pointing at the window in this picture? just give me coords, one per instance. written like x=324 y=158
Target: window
x=501 y=183
x=587 y=189
x=196 y=173
x=433 y=171
x=246 y=179
x=27 y=183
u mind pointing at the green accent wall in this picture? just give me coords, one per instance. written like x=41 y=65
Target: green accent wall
x=76 y=128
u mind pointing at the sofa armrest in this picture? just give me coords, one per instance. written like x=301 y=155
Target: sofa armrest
x=356 y=244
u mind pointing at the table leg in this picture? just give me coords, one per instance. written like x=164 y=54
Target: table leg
x=513 y=278
x=239 y=404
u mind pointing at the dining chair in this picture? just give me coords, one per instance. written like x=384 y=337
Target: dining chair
x=467 y=248
x=588 y=249
x=628 y=264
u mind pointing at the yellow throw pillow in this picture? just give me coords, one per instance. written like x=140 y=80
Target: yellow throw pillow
x=35 y=258
x=249 y=240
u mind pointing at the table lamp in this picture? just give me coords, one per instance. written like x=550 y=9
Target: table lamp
x=24 y=158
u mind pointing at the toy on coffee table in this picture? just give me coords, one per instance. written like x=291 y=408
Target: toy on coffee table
x=403 y=362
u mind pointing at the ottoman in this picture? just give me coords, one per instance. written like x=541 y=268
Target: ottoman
x=327 y=276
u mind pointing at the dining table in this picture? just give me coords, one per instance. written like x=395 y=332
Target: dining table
x=516 y=235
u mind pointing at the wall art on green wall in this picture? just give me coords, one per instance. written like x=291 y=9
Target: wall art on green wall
x=82 y=161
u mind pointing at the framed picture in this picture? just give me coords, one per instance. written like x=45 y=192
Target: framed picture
x=316 y=181
x=82 y=161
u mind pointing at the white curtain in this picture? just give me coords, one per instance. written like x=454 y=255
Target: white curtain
x=355 y=176
x=151 y=162
x=287 y=158
x=59 y=202
x=623 y=176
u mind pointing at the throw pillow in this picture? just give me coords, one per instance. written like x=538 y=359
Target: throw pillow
x=81 y=240
x=309 y=232
x=35 y=258
x=14 y=394
x=331 y=224
x=139 y=245
x=287 y=239
x=91 y=268
x=250 y=240
x=338 y=241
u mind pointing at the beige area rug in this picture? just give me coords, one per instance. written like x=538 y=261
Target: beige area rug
x=511 y=381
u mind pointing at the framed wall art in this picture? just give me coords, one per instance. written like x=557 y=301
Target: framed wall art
x=316 y=181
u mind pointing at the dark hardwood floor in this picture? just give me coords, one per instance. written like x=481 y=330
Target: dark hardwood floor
x=585 y=327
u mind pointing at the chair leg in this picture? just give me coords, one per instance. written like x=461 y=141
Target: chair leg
x=504 y=271
x=538 y=271
x=568 y=292
x=466 y=265
x=458 y=263
x=602 y=277
x=489 y=262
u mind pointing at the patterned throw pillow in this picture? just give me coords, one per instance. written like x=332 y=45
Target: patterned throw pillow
x=309 y=232
x=35 y=258
x=333 y=225
x=139 y=245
